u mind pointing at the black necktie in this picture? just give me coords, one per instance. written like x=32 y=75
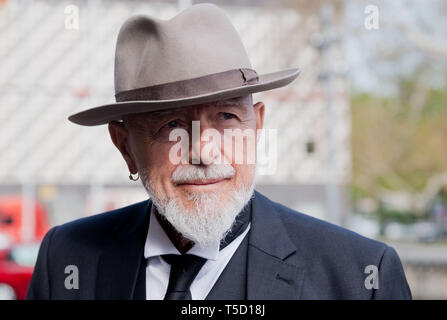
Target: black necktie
x=184 y=268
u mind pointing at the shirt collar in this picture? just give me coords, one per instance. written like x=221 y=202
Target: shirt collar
x=158 y=242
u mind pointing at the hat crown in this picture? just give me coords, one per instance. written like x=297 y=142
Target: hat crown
x=199 y=41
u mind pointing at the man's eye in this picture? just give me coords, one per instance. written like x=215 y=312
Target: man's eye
x=171 y=125
x=227 y=116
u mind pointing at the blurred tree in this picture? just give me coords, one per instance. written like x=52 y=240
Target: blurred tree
x=393 y=149
x=399 y=140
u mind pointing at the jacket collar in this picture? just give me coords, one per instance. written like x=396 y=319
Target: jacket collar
x=274 y=270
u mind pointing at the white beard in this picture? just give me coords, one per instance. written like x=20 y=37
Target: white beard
x=209 y=221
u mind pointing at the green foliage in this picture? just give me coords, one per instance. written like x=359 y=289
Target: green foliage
x=398 y=143
x=436 y=104
x=403 y=217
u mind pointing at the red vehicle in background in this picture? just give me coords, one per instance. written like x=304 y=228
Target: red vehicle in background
x=16 y=268
x=17 y=259
x=11 y=221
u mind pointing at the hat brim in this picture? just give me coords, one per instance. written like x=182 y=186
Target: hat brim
x=110 y=112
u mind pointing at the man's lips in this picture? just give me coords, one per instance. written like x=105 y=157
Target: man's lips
x=201 y=182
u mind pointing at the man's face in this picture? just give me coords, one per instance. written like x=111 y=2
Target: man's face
x=144 y=142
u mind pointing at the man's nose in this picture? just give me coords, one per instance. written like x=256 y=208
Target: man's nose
x=201 y=144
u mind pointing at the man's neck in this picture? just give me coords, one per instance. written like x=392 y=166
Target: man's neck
x=181 y=243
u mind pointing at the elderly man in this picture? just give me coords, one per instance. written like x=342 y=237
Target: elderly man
x=205 y=233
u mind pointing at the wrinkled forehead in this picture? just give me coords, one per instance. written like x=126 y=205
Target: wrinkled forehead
x=242 y=102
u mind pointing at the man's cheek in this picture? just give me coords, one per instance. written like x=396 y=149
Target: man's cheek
x=239 y=148
x=226 y=150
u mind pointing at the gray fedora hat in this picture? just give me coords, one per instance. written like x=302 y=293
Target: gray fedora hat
x=194 y=58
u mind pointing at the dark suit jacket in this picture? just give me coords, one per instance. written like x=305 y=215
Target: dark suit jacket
x=286 y=255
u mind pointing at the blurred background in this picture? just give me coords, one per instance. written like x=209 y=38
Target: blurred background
x=362 y=133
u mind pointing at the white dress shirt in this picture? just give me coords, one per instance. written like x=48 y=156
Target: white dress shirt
x=157 y=270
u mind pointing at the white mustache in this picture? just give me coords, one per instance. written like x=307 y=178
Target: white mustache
x=190 y=173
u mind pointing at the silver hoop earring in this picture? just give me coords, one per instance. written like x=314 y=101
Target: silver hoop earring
x=132 y=178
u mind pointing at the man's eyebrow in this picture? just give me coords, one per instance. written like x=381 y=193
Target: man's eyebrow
x=161 y=113
x=156 y=115
x=236 y=103
x=243 y=107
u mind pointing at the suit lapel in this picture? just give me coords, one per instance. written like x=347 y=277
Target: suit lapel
x=274 y=270
x=121 y=265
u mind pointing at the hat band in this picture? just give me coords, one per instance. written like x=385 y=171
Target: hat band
x=191 y=87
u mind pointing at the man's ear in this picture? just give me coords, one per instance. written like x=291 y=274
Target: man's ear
x=259 y=113
x=119 y=135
